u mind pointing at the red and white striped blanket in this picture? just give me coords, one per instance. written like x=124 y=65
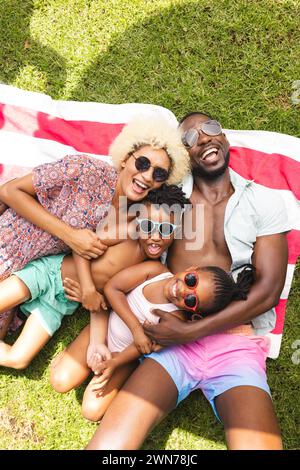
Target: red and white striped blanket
x=35 y=129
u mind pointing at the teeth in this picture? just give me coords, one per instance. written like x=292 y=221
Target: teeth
x=141 y=185
x=211 y=150
x=174 y=290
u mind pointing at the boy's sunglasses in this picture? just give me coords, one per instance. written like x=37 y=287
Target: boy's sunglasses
x=149 y=226
x=143 y=163
x=191 y=301
x=190 y=137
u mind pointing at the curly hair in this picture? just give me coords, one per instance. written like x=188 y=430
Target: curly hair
x=160 y=134
x=168 y=195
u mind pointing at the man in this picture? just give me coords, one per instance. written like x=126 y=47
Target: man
x=243 y=223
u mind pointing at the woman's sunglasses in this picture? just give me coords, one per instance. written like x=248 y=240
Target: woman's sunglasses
x=143 y=163
x=166 y=229
x=190 y=137
x=191 y=301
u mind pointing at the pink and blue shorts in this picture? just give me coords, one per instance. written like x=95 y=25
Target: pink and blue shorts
x=215 y=364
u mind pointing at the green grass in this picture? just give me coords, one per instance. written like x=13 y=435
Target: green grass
x=234 y=59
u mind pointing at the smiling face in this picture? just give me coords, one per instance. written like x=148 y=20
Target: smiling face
x=176 y=290
x=210 y=154
x=153 y=243
x=135 y=185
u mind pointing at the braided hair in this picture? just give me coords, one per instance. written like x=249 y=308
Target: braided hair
x=226 y=288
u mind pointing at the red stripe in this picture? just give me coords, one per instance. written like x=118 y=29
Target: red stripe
x=272 y=170
x=83 y=136
x=293 y=239
x=280 y=314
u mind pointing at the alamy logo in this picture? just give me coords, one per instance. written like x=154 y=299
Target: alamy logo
x=296 y=354
x=295 y=98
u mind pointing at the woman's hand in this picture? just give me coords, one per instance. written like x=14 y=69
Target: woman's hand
x=143 y=344
x=85 y=243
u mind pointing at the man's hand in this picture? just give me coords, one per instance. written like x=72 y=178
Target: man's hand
x=143 y=344
x=92 y=300
x=170 y=329
x=85 y=243
x=97 y=354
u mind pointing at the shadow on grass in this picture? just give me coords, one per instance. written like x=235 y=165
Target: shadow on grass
x=222 y=57
x=21 y=50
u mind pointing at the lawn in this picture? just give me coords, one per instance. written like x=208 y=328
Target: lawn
x=236 y=59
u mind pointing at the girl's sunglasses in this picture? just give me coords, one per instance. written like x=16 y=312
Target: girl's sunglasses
x=190 y=137
x=143 y=164
x=166 y=229
x=191 y=301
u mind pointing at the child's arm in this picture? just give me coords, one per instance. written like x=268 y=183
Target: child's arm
x=90 y=298
x=123 y=282
x=97 y=351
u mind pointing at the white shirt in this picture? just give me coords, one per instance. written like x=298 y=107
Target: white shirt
x=252 y=211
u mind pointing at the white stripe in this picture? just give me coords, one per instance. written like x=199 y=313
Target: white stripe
x=267 y=142
x=83 y=111
x=288 y=282
x=275 y=343
x=291 y=203
x=27 y=151
x=292 y=206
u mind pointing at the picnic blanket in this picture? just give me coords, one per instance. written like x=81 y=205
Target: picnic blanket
x=35 y=129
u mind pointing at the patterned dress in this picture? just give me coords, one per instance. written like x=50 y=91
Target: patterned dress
x=77 y=189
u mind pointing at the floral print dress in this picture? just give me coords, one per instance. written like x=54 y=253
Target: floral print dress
x=77 y=189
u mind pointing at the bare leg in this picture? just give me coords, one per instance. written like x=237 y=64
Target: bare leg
x=13 y=292
x=93 y=405
x=69 y=369
x=249 y=419
x=31 y=340
x=146 y=398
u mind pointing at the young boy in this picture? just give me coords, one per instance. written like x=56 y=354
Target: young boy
x=39 y=288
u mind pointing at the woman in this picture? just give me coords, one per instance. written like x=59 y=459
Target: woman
x=58 y=206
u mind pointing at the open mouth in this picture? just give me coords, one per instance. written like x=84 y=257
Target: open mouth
x=138 y=186
x=210 y=155
x=154 y=249
x=174 y=289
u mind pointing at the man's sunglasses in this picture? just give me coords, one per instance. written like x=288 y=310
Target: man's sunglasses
x=190 y=137
x=166 y=229
x=191 y=301
x=143 y=163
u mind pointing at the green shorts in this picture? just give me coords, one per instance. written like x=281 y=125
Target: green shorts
x=48 y=301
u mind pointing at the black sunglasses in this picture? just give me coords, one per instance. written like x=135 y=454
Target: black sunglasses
x=190 y=137
x=143 y=163
x=191 y=301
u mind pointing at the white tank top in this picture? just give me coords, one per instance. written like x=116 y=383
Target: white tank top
x=119 y=335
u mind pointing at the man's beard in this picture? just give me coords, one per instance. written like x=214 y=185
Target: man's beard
x=212 y=174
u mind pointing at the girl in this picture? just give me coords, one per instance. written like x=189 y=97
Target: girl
x=58 y=206
x=195 y=292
